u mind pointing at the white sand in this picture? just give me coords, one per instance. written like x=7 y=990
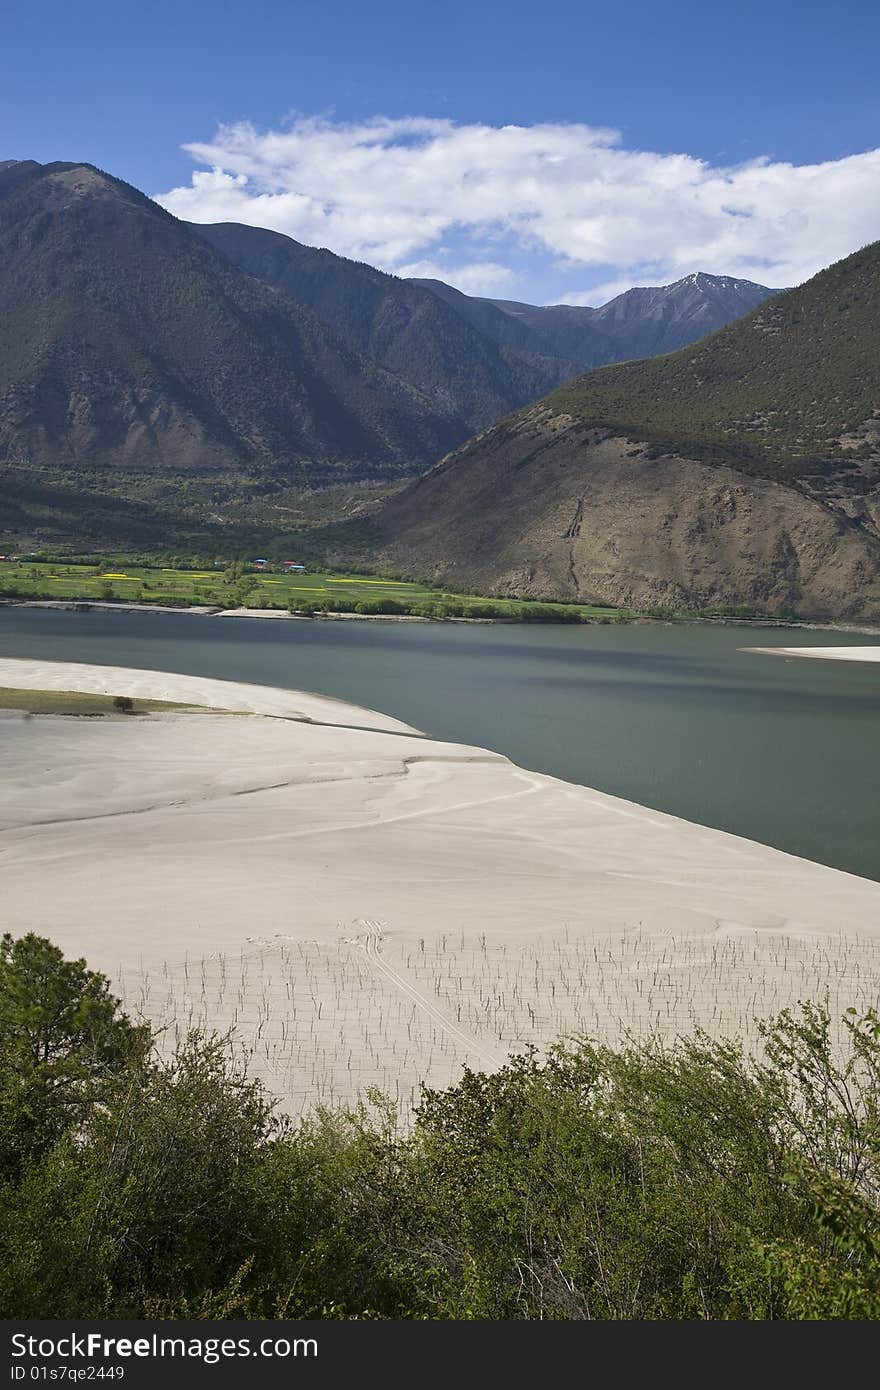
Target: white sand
x=823 y=653
x=369 y=906
x=346 y=617
x=256 y=613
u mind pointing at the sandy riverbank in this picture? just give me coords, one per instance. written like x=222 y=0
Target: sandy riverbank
x=635 y=619
x=822 y=653
x=368 y=906
x=199 y=610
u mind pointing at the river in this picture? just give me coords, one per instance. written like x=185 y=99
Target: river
x=784 y=751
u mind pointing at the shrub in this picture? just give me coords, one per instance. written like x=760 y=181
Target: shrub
x=545 y=613
x=483 y=610
x=379 y=606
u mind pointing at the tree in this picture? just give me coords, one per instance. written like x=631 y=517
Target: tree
x=123 y=703
x=158 y=1205
x=244 y=589
x=63 y=1039
x=833 y=1104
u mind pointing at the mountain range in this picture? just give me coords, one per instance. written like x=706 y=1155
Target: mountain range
x=161 y=380
x=742 y=470
x=158 y=362
x=637 y=323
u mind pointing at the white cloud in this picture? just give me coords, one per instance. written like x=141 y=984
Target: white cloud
x=478 y=277
x=567 y=202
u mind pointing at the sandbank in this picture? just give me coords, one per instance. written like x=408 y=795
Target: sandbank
x=366 y=906
x=822 y=653
x=193 y=690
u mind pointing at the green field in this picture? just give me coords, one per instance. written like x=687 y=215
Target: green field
x=240 y=585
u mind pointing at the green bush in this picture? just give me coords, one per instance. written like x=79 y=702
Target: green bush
x=546 y=613
x=483 y=610
x=379 y=606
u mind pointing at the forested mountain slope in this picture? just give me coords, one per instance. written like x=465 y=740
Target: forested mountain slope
x=744 y=470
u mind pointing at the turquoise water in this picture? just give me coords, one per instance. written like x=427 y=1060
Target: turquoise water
x=782 y=751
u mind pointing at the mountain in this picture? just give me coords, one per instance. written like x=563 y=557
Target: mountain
x=556 y=332
x=467 y=374
x=639 y=323
x=478 y=359
x=644 y=322
x=157 y=377
x=744 y=469
x=128 y=343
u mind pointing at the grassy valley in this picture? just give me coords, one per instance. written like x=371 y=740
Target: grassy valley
x=240 y=585
x=218 y=585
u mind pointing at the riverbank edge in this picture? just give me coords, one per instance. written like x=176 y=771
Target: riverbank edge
x=205 y=611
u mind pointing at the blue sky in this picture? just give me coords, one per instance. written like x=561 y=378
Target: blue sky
x=128 y=86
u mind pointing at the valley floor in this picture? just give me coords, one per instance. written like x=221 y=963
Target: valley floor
x=367 y=906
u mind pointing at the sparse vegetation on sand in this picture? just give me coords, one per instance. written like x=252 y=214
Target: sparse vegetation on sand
x=77 y=702
x=323 y=1022
x=640 y=1182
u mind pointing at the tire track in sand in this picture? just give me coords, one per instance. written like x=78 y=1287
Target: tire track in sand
x=371 y=945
